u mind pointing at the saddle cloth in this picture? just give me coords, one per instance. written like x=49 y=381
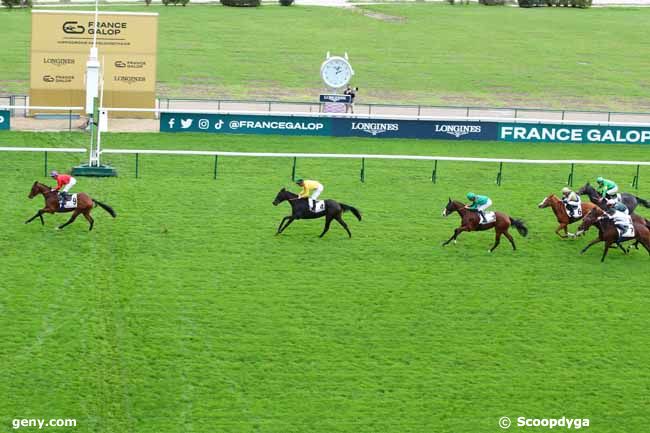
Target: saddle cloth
x=576 y=213
x=320 y=205
x=490 y=217
x=627 y=234
x=613 y=201
x=70 y=203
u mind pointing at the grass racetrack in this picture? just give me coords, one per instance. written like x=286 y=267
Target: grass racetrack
x=187 y=314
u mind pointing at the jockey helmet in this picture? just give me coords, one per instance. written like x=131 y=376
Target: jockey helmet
x=54 y=173
x=299 y=181
x=471 y=196
x=566 y=190
x=600 y=179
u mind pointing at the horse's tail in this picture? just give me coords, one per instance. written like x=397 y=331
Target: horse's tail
x=106 y=207
x=352 y=209
x=642 y=201
x=520 y=226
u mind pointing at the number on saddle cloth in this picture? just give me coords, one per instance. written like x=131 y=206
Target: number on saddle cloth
x=70 y=201
x=319 y=206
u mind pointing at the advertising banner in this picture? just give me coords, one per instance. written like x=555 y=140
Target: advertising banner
x=424 y=129
x=243 y=124
x=335 y=98
x=127 y=46
x=338 y=127
x=545 y=133
x=5 y=119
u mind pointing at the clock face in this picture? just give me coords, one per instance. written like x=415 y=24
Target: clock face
x=336 y=72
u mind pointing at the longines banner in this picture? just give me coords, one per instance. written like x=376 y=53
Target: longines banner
x=127 y=45
x=327 y=126
x=398 y=128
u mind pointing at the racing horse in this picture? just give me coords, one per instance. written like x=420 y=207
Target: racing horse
x=561 y=214
x=300 y=210
x=84 y=206
x=470 y=221
x=629 y=200
x=608 y=233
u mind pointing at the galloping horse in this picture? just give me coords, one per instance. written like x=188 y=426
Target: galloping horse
x=470 y=222
x=608 y=233
x=561 y=215
x=85 y=205
x=629 y=200
x=300 y=210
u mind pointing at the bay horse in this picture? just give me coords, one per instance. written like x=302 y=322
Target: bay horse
x=85 y=205
x=561 y=214
x=629 y=200
x=300 y=210
x=470 y=222
x=608 y=233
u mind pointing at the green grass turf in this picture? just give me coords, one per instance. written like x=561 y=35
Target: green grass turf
x=550 y=57
x=186 y=313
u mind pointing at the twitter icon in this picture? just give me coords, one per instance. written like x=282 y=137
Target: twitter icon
x=186 y=123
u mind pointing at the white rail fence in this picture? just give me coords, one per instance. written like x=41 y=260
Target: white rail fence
x=362 y=157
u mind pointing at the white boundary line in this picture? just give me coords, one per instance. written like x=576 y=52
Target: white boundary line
x=44 y=149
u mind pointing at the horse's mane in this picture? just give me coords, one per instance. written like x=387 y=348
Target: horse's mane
x=289 y=193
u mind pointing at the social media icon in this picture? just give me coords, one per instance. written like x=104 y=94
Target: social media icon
x=186 y=123
x=171 y=123
x=204 y=123
x=219 y=124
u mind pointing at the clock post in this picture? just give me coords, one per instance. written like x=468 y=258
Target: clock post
x=336 y=73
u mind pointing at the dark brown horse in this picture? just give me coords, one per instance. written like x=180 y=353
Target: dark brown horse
x=608 y=233
x=470 y=222
x=300 y=210
x=561 y=215
x=629 y=200
x=85 y=205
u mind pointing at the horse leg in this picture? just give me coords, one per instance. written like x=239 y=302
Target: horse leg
x=74 y=216
x=590 y=244
x=497 y=241
x=89 y=219
x=559 y=229
x=39 y=214
x=345 y=226
x=287 y=224
x=453 y=237
x=280 y=226
x=328 y=221
x=512 y=241
x=605 y=251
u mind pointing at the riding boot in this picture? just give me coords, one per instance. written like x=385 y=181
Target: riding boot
x=481 y=217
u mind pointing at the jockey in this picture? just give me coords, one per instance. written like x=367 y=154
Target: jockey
x=307 y=187
x=479 y=204
x=620 y=214
x=607 y=189
x=571 y=201
x=64 y=181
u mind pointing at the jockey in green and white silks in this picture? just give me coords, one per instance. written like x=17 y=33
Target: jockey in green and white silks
x=479 y=203
x=607 y=189
x=571 y=201
x=620 y=214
